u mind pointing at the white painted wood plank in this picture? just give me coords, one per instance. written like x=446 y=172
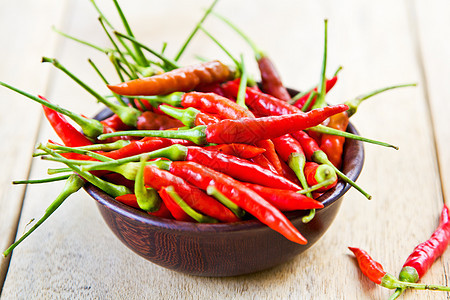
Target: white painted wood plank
x=75 y=256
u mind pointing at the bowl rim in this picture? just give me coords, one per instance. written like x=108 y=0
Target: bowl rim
x=352 y=170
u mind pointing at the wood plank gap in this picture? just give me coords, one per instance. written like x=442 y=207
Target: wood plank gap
x=413 y=20
x=50 y=75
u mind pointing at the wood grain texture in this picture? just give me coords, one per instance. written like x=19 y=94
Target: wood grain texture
x=75 y=255
x=25 y=37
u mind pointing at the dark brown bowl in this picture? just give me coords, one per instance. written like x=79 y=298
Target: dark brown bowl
x=222 y=249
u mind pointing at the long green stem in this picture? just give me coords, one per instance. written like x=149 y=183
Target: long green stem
x=147 y=198
x=320 y=101
x=316 y=186
x=141 y=60
x=258 y=53
x=221 y=46
x=73 y=184
x=308 y=102
x=97 y=70
x=196 y=28
x=332 y=131
x=354 y=103
x=45 y=180
x=172 y=64
x=128 y=115
x=92 y=128
x=240 y=99
x=79 y=151
x=81 y=41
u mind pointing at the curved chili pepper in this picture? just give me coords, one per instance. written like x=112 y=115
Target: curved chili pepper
x=190 y=116
x=263 y=162
x=375 y=272
x=285 y=200
x=316 y=174
x=67 y=133
x=271 y=154
x=244 y=130
x=239 y=150
x=175 y=210
x=271 y=79
x=115 y=123
x=244 y=197
x=182 y=79
x=424 y=254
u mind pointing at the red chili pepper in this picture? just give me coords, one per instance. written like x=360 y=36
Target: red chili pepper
x=285 y=200
x=271 y=154
x=239 y=150
x=130 y=200
x=369 y=267
x=175 y=210
x=190 y=116
x=316 y=174
x=424 y=254
x=70 y=136
x=152 y=121
x=260 y=103
x=195 y=198
x=329 y=85
x=244 y=197
x=115 y=123
x=238 y=168
x=263 y=162
x=182 y=79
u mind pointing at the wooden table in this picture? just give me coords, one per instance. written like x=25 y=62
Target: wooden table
x=75 y=255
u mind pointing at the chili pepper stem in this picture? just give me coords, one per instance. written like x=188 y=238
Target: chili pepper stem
x=147 y=198
x=213 y=191
x=128 y=115
x=187 y=209
x=397 y=293
x=296 y=162
x=92 y=128
x=186 y=116
x=46 y=180
x=321 y=158
x=73 y=184
x=389 y=281
x=242 y=84
x=332 y=131
x=195 y=135
x=320 y=101
x=316 y=186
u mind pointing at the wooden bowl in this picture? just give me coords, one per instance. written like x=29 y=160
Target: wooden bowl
x=222 y=249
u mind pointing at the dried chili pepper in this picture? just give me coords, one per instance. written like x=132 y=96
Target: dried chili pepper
x=245 y=130
x=182 y=79
x=244 y=197
x=375 y=272
x=424 y=254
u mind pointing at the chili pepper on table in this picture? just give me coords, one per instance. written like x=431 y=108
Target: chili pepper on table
x=178 y=80
x=244 y=197
x=375 y=272
x=424 y=254
x=245 y=130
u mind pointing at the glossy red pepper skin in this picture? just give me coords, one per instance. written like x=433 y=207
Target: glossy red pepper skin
x=263 y=162
x=212 y=103
x=175 y=210
x=308 y=144
x=152 y=121
x=244 y=197
x=369 y=267
x=286 y=145
x=261 y=104
x=182 y=79
x=329 y=85
x=285 y=200
x=130 y=200
x=239 y=150
x=271 y=80
x=70 y=136
x=333 y=145
x=427 y=252
x=115 y=123
x=194 y=197
x=238 y=168
x=250 y=130
x=271 y=154
x=205 y=119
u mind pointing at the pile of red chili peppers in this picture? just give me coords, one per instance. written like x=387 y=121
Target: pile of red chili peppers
x=204 y=143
